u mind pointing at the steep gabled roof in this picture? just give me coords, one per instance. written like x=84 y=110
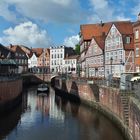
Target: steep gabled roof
x=90 y=30
x=4 y=52
x=124 y=27
x=38 y=51
x=100 y=40
x=126 y=30
x=17 y=49
x=72 y=57
x=100 y=31
x=69 y=51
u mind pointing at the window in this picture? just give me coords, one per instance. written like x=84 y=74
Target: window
x=115 y=55
x=107 y=56
x=117 y=40
x=111 y=54
x=22 y=61
x=127 y=40
x=137 y=34
x=60 y=62
x=95 y=48
x=101 y=59
x=137 y=69
x=112 y=30
x=120 y=54
x=137 y=51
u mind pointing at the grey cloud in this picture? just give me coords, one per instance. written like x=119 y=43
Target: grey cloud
x=63 y=11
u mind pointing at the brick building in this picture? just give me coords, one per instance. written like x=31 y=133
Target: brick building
x=136 y=30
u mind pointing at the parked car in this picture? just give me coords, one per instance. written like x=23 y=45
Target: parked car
x=135 y=79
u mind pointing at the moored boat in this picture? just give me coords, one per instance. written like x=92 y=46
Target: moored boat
x=43 y=88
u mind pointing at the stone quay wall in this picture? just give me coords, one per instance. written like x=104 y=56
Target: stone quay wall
x=134 y=117
x=107 y=100
x=10 y=90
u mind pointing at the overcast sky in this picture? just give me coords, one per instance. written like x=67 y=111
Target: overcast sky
x=44 y=23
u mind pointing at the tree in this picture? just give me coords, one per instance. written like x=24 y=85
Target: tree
x=77 y=49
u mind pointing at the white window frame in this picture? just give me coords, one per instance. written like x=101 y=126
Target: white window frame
x=137 y=50
x=137 y=34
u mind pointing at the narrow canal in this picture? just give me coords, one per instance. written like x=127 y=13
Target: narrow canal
x=53 y=118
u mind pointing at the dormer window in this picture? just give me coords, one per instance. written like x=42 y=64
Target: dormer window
x=127 y=40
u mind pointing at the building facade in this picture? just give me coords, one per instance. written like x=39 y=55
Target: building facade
x=95 y=58
x=119 y=49
x=136 y=30
x=57 y=58
x=20 y=58
x=7 y=64
x=92 y=38
x=107 y=48
x=71 y=64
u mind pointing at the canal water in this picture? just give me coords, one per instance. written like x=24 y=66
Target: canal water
x=53 y=118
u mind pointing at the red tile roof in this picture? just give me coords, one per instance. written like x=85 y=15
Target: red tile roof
x=17 y=48
x=72 y=57
x=100 y=31
x=137 y=23
x=90 y=30
x=38 y=51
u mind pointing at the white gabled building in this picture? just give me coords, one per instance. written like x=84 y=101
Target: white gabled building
x=32 y=61
x=119 y=49
x=71 y=64
x=57 y=58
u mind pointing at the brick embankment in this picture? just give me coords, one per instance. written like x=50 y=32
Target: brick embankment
x=108 y=101
x=134 y=117
x=10 y=93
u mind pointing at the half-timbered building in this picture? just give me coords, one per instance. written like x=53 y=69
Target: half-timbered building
x=119 y=49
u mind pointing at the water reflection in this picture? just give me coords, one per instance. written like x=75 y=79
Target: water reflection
x=53 y=118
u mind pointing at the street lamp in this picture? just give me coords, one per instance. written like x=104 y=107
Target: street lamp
x=96 y=69
x=111 y=60
x=121 y=63
x=88 y=70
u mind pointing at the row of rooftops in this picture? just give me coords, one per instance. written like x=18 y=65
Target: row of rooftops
x=20 y=51
x=100 y=31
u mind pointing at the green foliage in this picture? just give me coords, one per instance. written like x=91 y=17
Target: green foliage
x=77 y=49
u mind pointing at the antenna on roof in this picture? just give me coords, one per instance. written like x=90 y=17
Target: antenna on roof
x=101 y=23
x=139 y=17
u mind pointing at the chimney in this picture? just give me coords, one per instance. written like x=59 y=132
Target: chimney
x=11 y=45
x=139 y=17
x=101 y=23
